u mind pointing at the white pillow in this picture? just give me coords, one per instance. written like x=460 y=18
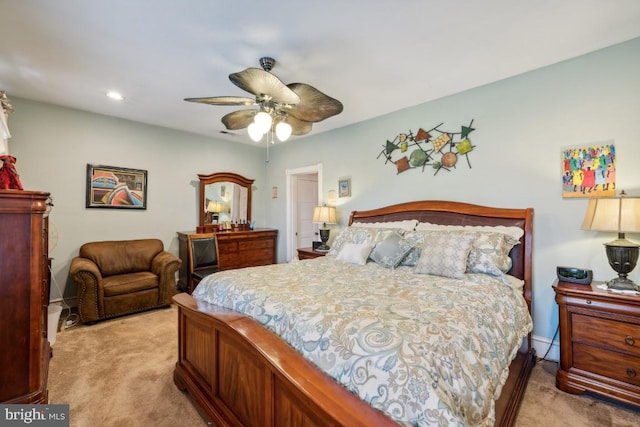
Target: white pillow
x=444 y=253
x=406 y=225
x=515 y=232
x=354 y=253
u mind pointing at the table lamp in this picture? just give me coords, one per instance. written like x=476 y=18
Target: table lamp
x=325 y=215
x=214 y=208
x=620 y=215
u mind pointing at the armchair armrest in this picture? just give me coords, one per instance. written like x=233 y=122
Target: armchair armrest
x=165 y=265
x=88 y=278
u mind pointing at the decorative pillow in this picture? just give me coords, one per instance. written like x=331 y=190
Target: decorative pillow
x=391 y=250
x=354 y=253
x=406 y=225
x=416 y=238
x=352 y=235
x=444 y=253
x=490 y=254
x=515 y=232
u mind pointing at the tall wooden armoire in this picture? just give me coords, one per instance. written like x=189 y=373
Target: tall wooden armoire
x=24 y=296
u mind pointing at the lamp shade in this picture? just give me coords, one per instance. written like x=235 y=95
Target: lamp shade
x=616 y=214
x=324 y=214
x=254 y=132
x=214 y=207
x=263 y=120
x=283 y=131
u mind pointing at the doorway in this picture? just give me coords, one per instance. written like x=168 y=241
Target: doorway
x=304 y=189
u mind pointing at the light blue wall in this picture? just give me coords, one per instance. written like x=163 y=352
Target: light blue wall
x=522 y=124
x=54 y=144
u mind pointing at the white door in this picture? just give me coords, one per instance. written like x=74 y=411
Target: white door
x=307 y=199
x=294 y=211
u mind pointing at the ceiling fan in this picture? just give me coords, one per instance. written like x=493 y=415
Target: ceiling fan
x=297 y=105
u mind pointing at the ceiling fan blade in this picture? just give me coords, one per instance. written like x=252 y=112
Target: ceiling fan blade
x=298 y=127
x=224 y=100
x=238 y=119
x=264 y=85
x=314 y=106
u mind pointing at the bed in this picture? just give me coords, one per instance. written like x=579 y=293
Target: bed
x=240 y=373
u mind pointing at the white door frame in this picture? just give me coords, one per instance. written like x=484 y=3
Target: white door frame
x=291 y=201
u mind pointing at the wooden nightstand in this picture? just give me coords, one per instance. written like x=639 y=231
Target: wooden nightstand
x=599 y=342
x=309 y=253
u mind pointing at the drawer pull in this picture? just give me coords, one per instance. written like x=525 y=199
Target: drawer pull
x=629 y=340
x=631 y=373
x=589 y=301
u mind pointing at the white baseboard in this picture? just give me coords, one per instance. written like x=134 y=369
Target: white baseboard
x=541 y=344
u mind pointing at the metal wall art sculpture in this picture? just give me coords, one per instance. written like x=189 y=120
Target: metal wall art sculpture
x=434 y=147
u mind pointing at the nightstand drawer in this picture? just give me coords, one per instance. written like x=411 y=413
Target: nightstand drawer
x=610 y=364
x=598 y=303
x=614 y=335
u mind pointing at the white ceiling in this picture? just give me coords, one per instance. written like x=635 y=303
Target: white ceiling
x=375 y=56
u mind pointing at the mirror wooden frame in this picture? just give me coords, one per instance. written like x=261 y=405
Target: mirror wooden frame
x=222 y=177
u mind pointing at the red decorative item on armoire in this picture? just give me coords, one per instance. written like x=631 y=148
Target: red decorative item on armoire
x=9 y=178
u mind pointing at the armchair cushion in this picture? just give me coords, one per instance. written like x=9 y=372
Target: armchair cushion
x=121 y=277
x=121 y=257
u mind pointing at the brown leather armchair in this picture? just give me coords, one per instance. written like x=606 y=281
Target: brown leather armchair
x=122 y=277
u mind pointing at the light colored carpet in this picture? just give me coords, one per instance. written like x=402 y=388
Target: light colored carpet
x=120 y=373
x=545 y=405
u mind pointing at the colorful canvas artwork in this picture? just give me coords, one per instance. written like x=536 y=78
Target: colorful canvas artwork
x=116 y=187
x=589 y=171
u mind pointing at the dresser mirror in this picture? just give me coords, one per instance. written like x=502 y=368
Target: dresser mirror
x=224 y=197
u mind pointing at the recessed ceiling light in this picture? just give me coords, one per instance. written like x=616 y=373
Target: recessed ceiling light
x=115 y=95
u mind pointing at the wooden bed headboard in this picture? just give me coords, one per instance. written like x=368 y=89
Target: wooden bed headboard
x=458 y=213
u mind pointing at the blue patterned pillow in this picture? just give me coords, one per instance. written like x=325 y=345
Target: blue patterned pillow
x=416 y=238
x=352 y=235
x=391 y=250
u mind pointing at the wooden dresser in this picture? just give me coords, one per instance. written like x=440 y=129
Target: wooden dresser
x=599 y=342
x=236 y=249
x=24 y=297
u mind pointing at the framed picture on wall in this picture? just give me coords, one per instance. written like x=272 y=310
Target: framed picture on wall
x=116 y=188
x=344 y=187
x=589 y=171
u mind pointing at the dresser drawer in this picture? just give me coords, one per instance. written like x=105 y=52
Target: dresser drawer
x=618 y=366
x=256 y=245
x=614 y=335
x=227 y=246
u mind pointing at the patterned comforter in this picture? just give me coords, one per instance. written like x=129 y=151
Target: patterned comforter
x=426 y=350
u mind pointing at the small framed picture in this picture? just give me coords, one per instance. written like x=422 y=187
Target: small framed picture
x=344 y=187
x=116 y=187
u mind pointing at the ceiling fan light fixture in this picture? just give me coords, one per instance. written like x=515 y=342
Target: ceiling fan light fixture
x=283 y=131
x=263 y=120
x=254 y=132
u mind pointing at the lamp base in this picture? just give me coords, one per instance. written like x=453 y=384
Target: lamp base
x=622 y=256
x=622 y=284
x=324 y=236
